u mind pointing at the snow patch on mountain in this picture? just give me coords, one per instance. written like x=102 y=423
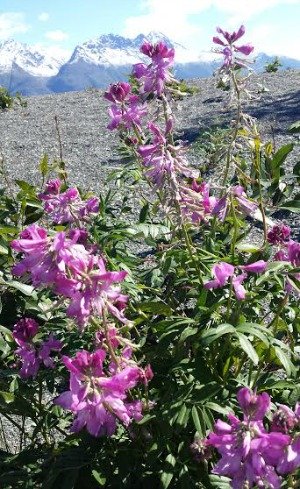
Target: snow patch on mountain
x=32 y=61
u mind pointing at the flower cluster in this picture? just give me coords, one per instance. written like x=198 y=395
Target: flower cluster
x=251 y=454
x=229 y=48
x=288 y=250
x=32 y=352
x=279 y=234
x=155 y=75
x=66 y=207
x=70 y=269
x=127 y=110
x=97 y=398
x=225 y=272
x=161 y=159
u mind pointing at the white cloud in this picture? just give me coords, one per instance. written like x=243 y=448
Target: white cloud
x=177 y=20
x=12 y=23
x=44 y=16
x=57 y=35
x=268 y=39
x=241 y=11
x=168 y=17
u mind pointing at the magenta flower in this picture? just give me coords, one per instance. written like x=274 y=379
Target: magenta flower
x=249 y=454
x=118 y=92
x=239 y=289
x=32 y=352
x=222 y=272
x=127 y=115
x=30 y=362
x=161 y=159
x=244 y=205
x=24 y=330
x=285 y=419
x=155 y=75
x=290 y=460
x=72 y=271
x=93 y=292
x=46 y=348
x=254 y=406
x=229 y=48
x=293 y=252
x=66 y=207
x=279 y=234
x=99 y=400
x=196 y=203
x=255 y=267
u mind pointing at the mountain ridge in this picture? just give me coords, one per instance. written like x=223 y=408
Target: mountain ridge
x=98 y=62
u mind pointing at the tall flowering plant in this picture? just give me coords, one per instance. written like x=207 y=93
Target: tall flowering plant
x=151 y=343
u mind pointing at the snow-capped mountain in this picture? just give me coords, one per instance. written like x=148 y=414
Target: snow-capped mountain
x=109 y=58
x=26 y=69
x=98 y=62
x=34 y=62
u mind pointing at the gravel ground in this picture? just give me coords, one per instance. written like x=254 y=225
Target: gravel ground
x=90 y=150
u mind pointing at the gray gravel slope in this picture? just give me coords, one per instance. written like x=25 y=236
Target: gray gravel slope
x=90 y=150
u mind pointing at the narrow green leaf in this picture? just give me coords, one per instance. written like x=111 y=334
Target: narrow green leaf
x=99 y=478
x=144 y=212
x=292 y=205
x=7 y=396
x=44 y=165
x=246 y=345
x=167 y=475
x=211 y=335
x=284 y=360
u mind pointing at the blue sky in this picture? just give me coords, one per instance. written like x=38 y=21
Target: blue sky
x=59 y=25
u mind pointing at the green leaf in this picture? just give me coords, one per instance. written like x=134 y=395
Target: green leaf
x=284 y=360
x=187 y=333
x=247 y=247
x=294 y=283
x=291 y=205
x=255 y=330
x=99 y=478
x=144 y=212
x=200 y=428
x=25 y=186
x=218 y=408
x=295 y=127
x=24 y=288
x=156 y=307
x=44 y=165
x=167 y=475
x=7 y=396
x=9 y=230
x=246 y=345
x=211 y=335
x=279 y=158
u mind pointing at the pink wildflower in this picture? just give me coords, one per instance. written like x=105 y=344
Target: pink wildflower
x=249 y=454
x=279 y=234
x=99 y=400
x=72 y=271
x=155 y=75
x=24 y=330
x=66 y=207
x=255 y=267
x=162 y=159
x=196 y=202
x=118 y=92
x=229 y=48
x=31 y=352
